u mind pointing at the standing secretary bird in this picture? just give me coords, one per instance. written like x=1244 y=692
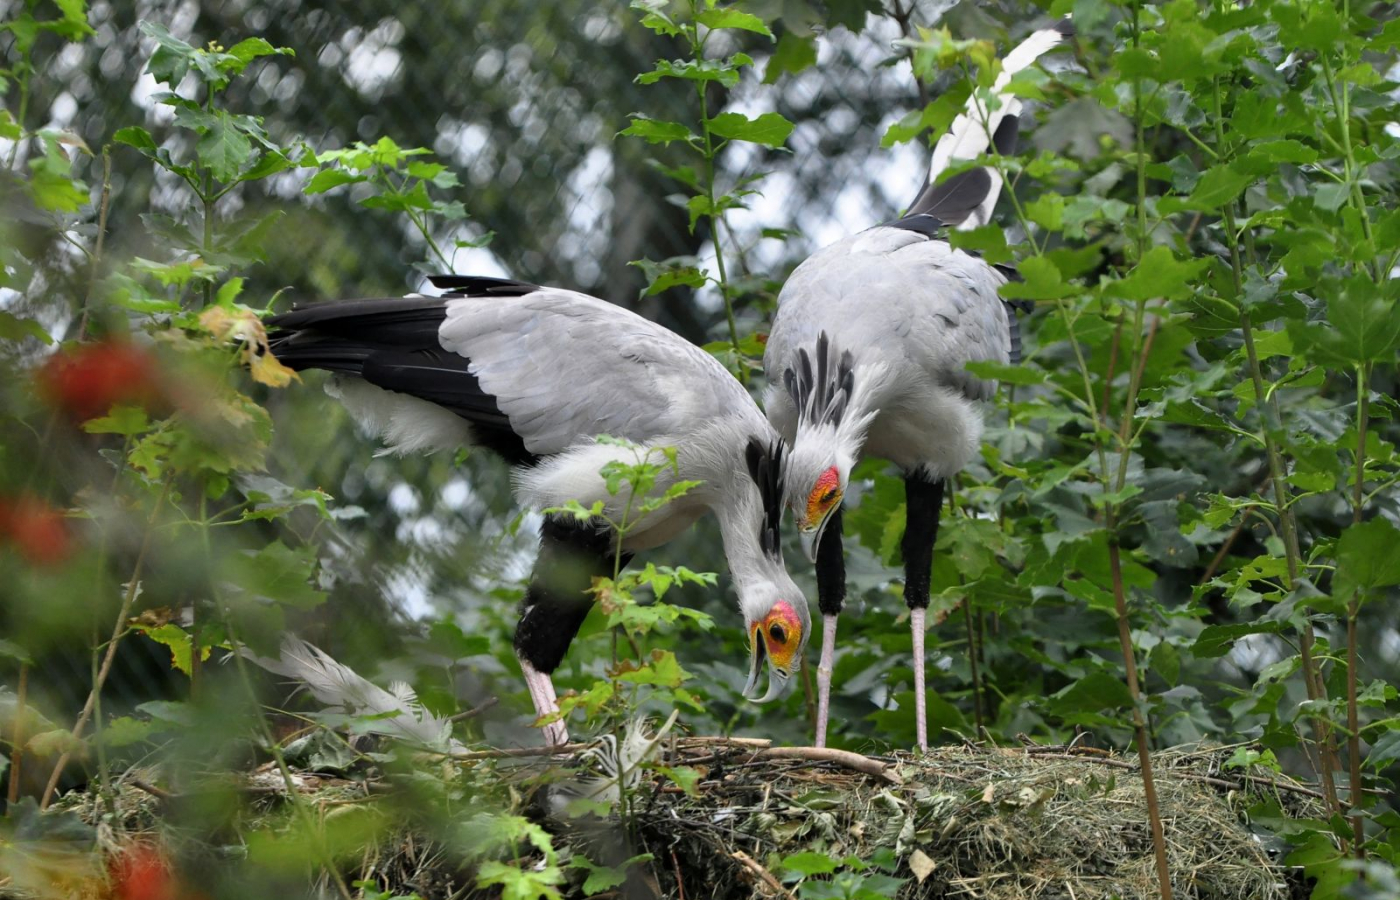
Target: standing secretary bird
x=871 y=337
x=536 y=374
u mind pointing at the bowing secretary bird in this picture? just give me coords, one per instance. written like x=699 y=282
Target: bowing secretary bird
x=871 y=336
x=535 y=374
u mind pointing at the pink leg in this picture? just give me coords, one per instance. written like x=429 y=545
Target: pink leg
x=546 y=702
x=916 y=626
x=824 y=676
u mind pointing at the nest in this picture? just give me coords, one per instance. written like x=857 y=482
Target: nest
x=982 y=823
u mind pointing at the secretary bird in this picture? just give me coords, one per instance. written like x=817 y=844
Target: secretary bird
x=871 y=336
x=536 y=374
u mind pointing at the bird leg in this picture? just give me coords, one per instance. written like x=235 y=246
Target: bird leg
x=831 y=597
x=546 y=702
x=923 y=505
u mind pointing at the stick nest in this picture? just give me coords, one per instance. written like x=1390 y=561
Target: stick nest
x=1032 y=823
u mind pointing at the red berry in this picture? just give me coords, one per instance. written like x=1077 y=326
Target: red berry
x=89 y=379
x=37 y=531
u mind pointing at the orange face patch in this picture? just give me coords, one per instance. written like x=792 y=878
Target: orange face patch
x=826 y=493
x=781 y=632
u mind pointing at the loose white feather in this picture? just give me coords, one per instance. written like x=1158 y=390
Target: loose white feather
x=344 y=690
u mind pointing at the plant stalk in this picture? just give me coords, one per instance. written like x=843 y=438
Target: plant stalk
x=1354 y=794
x=118 y=629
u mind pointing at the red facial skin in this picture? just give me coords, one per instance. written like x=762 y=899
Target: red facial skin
x=782 y=652
x=825 y=493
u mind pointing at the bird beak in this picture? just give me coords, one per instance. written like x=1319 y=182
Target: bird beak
x=779 y=682
x=812 y=537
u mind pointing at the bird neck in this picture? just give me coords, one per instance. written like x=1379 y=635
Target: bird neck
x=737 y=501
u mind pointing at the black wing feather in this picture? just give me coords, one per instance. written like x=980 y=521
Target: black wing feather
x=393 y=344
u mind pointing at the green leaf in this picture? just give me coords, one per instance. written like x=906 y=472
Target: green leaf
x=1157 y=274
x=328 y=179
x=14 y=328
x=1216 y=640
x=225 y=148
x=172 y=56
x=733 y=18
x=136 y=136
x=123 y=420
x=657 y=131
x=792 y=55
x=1363 y=328
x=807 y=864
x=124 y=731
x=1006 y=374
x=662 y=670
x=769 y=129
x=1367 y=558
x=1095 y=692
x=249 y=49
x=1218 y=186
x=1041 y=281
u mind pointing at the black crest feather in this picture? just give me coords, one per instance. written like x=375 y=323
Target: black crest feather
x=821 y=397
x=765 y=462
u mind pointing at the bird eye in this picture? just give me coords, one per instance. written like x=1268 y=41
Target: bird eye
x=776 y=632
x=829 y=496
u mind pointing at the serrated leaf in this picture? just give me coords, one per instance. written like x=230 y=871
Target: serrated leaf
x=1157 y=274
x=225 y=148
x=808 y=864
x=733 y=18
x=657 y=131
x=769 y=129
x=792 y=55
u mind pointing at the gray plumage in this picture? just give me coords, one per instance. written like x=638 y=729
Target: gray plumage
x=868 y=356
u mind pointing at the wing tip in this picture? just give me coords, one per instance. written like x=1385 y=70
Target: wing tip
x=1065 y=27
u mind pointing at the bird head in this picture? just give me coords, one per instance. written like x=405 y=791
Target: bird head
x=777 y=630
x=816 y=480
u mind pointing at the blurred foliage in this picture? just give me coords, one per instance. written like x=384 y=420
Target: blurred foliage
x=1203 y=214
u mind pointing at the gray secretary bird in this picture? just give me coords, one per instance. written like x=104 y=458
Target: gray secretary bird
x=871 y=336
x=536 y=374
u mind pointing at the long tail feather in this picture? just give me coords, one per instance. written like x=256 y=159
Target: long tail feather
x=966 y=200
x=395 y=712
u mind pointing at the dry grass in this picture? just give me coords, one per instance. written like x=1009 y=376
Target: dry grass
x=979 y=823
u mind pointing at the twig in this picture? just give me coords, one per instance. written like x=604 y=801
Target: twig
x=720 y=739
x=843 y=758
x=756 y=869
x=118 y=629
x=157 y=792
x=680 y=883
x=475 y=710
x=494 y=753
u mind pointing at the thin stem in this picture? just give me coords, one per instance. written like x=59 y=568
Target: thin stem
x=118 y=629
x=1354 y=798
x=1140 y=349
x=104 y=205
x=1149 y=788
x=697 y=47
x=972 y=663
x=24 y=70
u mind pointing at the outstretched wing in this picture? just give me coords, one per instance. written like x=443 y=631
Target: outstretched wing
x=533 y=370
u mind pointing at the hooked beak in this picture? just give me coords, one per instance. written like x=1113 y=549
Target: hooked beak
x=812 y=537
x=778 y=681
